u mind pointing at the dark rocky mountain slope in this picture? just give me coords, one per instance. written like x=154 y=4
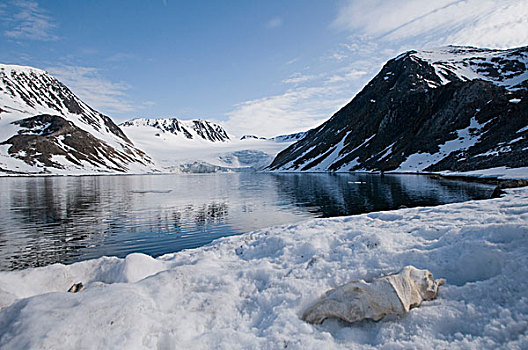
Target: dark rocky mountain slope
x=454 y=108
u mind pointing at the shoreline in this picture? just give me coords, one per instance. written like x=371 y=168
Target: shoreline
x=485 y=179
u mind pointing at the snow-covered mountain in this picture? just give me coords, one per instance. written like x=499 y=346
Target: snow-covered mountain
x=191 y=129
x=45 y=128
x=199 y=145
x=281 y=138
x=290 y=137
x=452 y=108
x=248 y=137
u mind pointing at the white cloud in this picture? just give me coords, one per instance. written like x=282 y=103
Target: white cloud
x=292 y=61
x=338 y=56
x=314 y=99
x=295 y=110
x=98 y=92
x=297 y=78
x=273 y=23
x=26 y=20
x=350 y=75
x=484 y=23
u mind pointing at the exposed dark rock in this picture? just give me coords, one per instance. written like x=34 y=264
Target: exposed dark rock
x=77 y=287
x=209 y=131
x=113 y=128
x=44 y=137
x=249 y=137
x=513 y=183
x=497 y=193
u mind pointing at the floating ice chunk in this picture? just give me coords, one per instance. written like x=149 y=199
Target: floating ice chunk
x=358 y=300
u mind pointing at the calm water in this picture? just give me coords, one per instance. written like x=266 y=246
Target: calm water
x=44 y=220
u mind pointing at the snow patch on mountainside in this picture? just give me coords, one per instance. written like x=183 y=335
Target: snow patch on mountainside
x=337 y=154
x=465 y=139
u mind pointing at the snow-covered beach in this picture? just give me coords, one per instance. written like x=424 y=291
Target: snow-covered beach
x=249 y=291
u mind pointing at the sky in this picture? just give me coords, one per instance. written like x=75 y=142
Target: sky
x=255 y=67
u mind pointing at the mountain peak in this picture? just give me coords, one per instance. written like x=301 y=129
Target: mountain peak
x=451 y=108
x=501 y=67
x=21 y=69
x=197 y=129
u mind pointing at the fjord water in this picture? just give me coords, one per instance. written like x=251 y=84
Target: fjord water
x=44 y=220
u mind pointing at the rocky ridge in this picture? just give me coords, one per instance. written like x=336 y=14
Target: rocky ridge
x=190 y=129
x=453 y=108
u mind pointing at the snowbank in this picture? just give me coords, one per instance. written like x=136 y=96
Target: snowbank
x=498 y=172
x=249 y=291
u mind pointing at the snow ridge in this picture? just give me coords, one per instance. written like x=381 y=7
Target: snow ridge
x=190 y=129
x=508 y=68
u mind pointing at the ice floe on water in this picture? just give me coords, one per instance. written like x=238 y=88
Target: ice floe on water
x=250 y=291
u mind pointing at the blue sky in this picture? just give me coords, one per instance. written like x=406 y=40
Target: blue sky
x=260 y=67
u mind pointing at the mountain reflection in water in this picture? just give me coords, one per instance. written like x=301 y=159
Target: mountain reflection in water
x=44 y=220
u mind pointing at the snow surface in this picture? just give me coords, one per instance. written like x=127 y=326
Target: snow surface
x=249 y=291
x=174 y=152
x=498 y=172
